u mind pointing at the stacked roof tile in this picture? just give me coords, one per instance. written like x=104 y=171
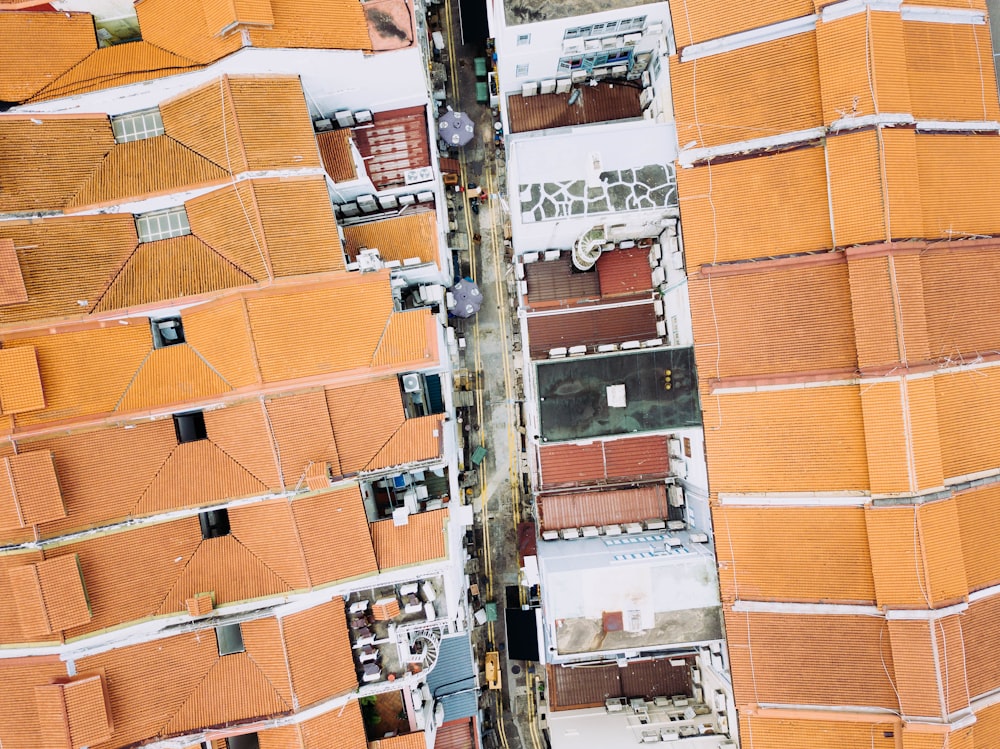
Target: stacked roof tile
x=838 y=242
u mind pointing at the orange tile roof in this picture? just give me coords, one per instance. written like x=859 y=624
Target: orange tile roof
x=77 y=709
x=29 y=490
x=412 y=235
x=415 y=740
x=827 y=547
x=319 y=653
x=798 y=440
x=171 y=375
x=218 y=220
x=324 y=24
x=764 y=324
x=39 y=172
x=417 y=439
x=50 y=595
x=762 y=732
x=955 y=170
x=20 y=382
x=915 y=559
x=224 y=15
x=200 y=604
x=12 y=290
x=245 y=123
x=409 y=336
x=341 y=728
x=360 y=439
x=753 y=92
x=979 y=636
x=966 y=402
x=422 y=539
x=790 y=659
x=147 y=167
x=335 y=151
x=978 y=526
x=699 y=20
x=69 y=37
x=325 y=522
x=181 y=27
x=769 y=205
x=302 y=433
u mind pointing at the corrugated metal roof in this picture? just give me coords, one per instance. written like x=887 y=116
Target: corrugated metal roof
x=576 y=510
x=622 y=460
x=395 y=142
x=605 y=102
x=557 y=282
x=453 y=680
x=574 y=687
x=457 y=734
x=591 y=326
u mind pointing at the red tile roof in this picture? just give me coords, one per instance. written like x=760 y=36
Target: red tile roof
x=615 y=461
x=605 y=102
x=74 y=713
x=422 y=539
x=50 y=596
x=456 y=734
x=590 y=326
x=29 y=491
x=624 y=272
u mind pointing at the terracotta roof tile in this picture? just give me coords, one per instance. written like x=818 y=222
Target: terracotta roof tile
x=180 y=26
x=285 y=347
x=794 y=656
x=415 y=740
x=753 y=92
x=760 y=732
x=417 y=439
x=624 y=272
x=227 y=567
x=69 y=37
x=360 y=439
x=315 y=24
x=915 y=560
x=200 y=604
x=245 y=123
x=170 y=269
x=385 y=609
x=979 y=526
x=410 y=337
x=902 y=436
x=576 y=510
x=341 y=728
x=981 y=634
x=85 y=371
x=12 y=289
x=817 y=554
x=117 y=65
x=456 y=734
x=802 y=440
x=319 y=652
x=78 y=707
x=422 y=539
x=764 y=324
x=264 y=642
x=961 y=85
x=242 y=431
x=954 y=171
x=763 y=206
x=412 y=235
x=325 y=523
x=269 y=530
x=20 y=381
x=219 y=333
x=308 y=244
x=303 y=434
x=29 y=490
x=335 y=151
x=915 y=667
x=50 y=595
x=19 y=720
x=699 y=20
x=603 y=103
x=223 y=15
x=966 y=403
x=394 y=142
x=171 y=374
x=95 y=246
x=145 y=168
x=218 y=219
x=111 y=563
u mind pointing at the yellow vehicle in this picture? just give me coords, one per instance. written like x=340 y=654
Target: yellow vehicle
x=493 y=669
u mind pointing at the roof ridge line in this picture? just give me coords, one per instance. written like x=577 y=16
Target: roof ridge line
x=268 y=679
x=251 y=473
x=156 y=473
x=252 y=553
x=210 y=366
x=135 y=376
x=116 y=276
x=173 y=585
x=390 y=439
x=196 y=153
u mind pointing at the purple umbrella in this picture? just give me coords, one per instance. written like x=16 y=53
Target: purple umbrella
x=468 y=298
x=456 y=128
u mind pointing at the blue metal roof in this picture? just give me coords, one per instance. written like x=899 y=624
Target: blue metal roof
x=453 y=678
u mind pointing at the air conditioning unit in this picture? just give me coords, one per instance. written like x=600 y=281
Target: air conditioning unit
x=675 y=493
x=529 y=89
x=674 y=446
x=631 y=39
x=563 y=85
x=578 y=76
x=645 y=97
x=592 y=45
x=416 y=176
x=677 y=260
x=614 y=705
x=547 y=86
x=619 y=70
x=572 y=46
x=369 y=260
x=611 y=42
x=323 y=125
x=367 y=203
x=407 y=199
x=350 y=209
x=411 y=383
x=425 y=197
x=648 y=114
x=362 y=116
x=659 y=276
x=654 y=29
x=345 y=118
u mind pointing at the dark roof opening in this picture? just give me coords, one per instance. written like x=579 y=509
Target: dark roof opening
x=230 y=639
x=167 y=332
x=246 y=741
x=190 y=427
x=214 y=523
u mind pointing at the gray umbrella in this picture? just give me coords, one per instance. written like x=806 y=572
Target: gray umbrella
x=468 y=298
x=456 y=128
